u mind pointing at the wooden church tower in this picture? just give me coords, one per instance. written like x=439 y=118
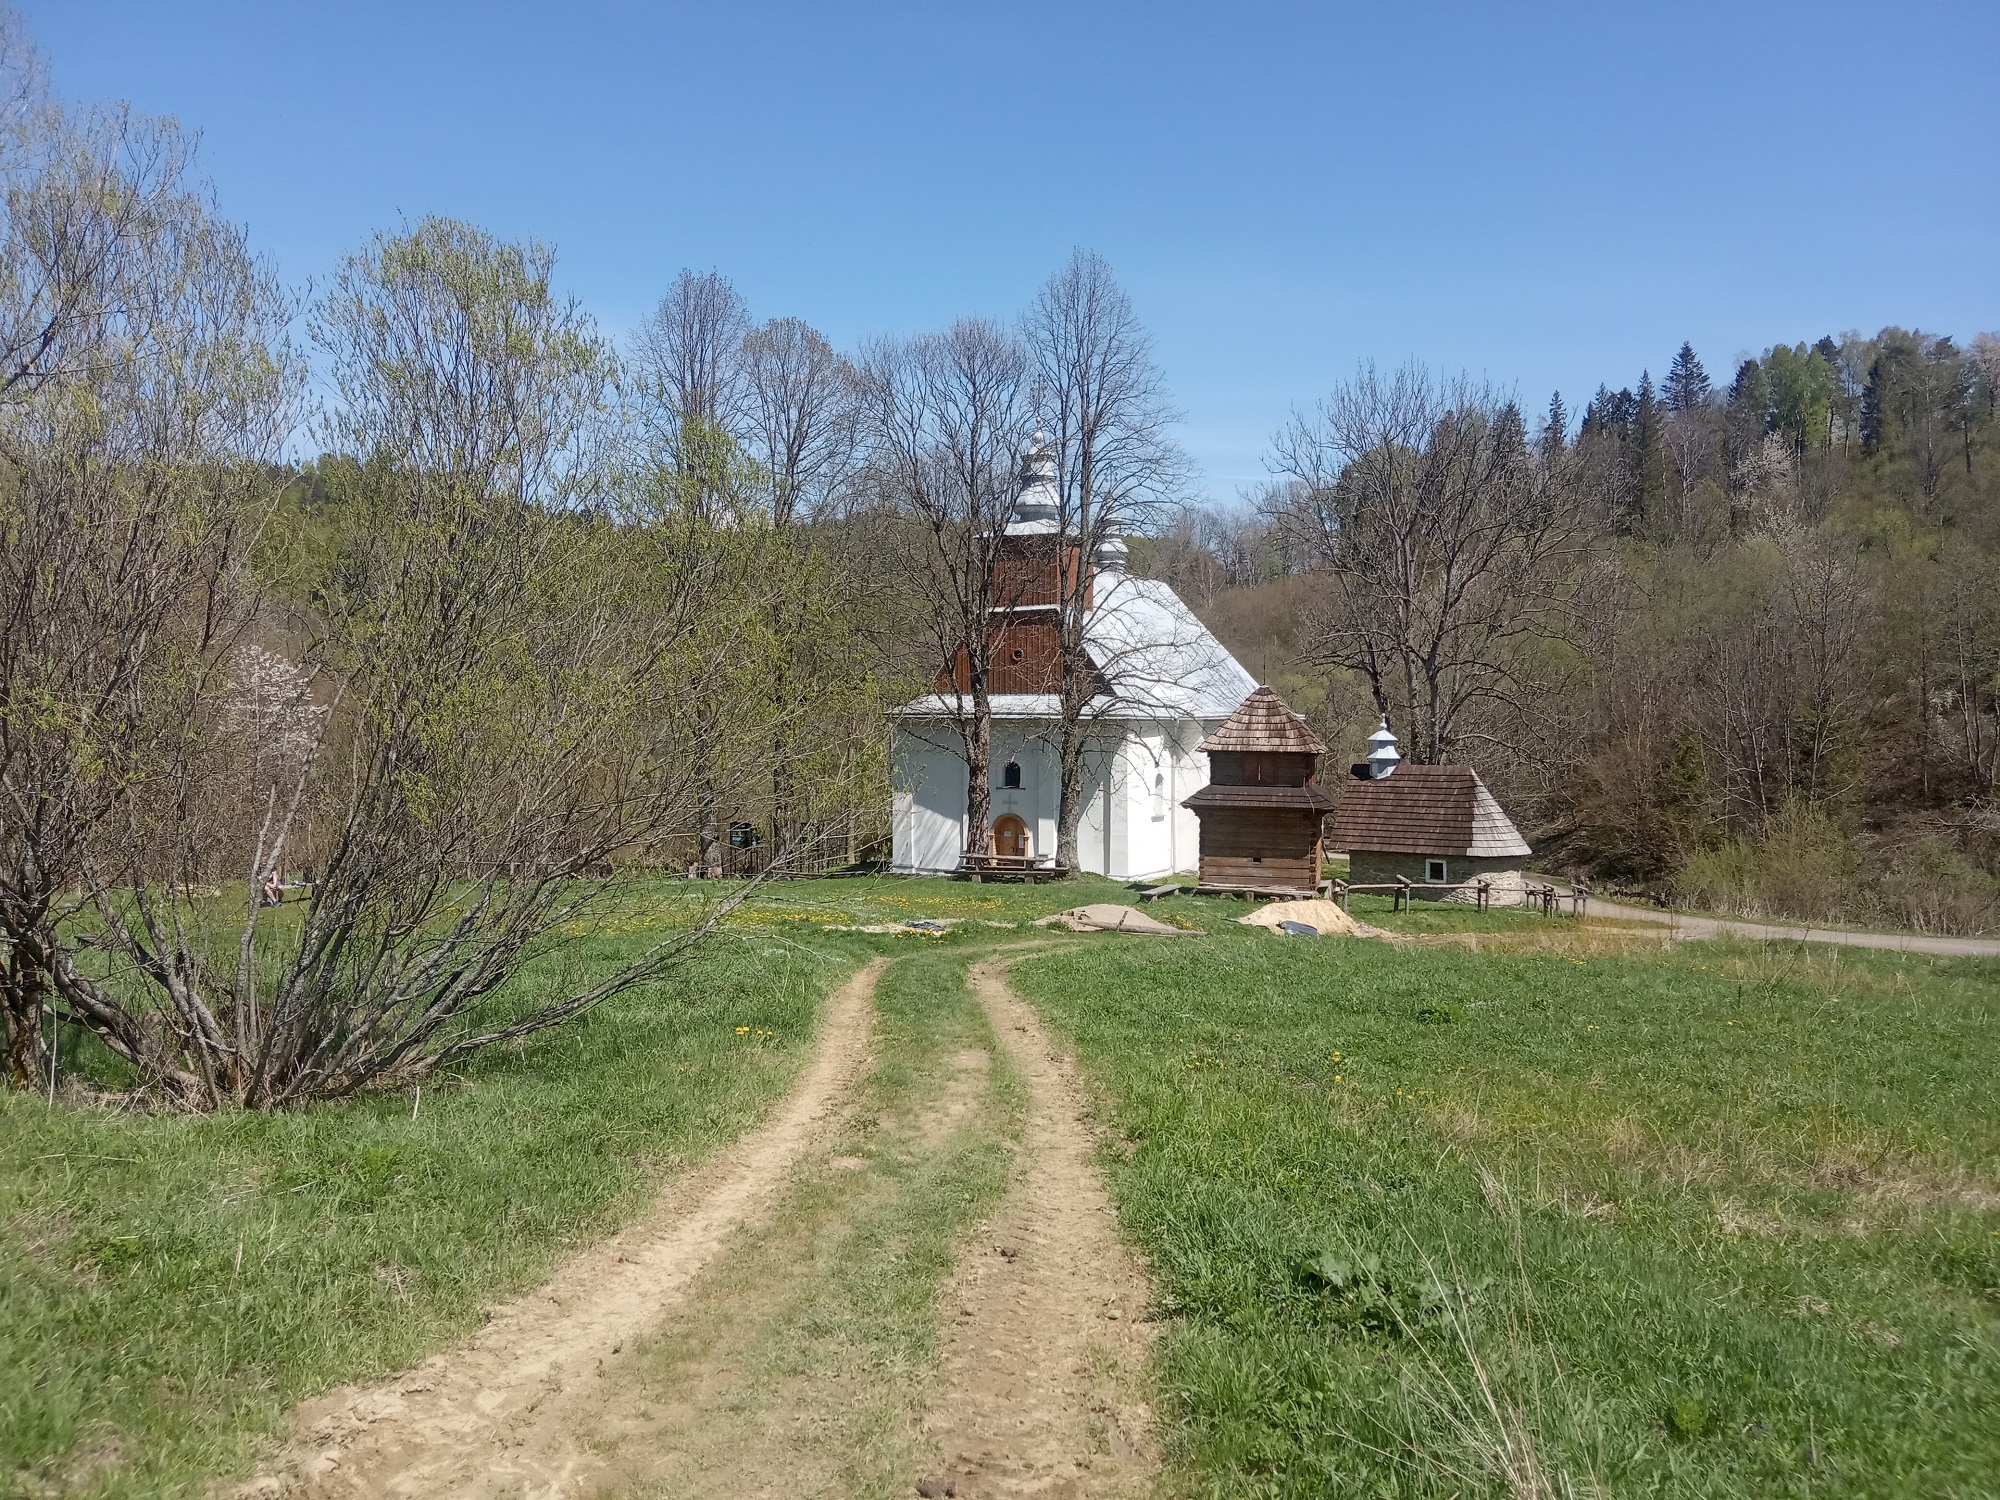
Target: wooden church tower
x=1262 y=809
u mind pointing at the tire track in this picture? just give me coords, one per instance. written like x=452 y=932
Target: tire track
x=1041 y=1383
x=498 y=1415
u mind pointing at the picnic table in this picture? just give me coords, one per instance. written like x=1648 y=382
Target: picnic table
x=1028 y=867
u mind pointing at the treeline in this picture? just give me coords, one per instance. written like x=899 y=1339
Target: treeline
x=1732 y=643
x=544 y=615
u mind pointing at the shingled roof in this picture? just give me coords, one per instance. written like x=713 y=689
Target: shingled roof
x=1424 y=810
x=1262 y=722
x=1293 y=798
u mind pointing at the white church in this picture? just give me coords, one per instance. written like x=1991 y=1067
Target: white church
x=1167 y=683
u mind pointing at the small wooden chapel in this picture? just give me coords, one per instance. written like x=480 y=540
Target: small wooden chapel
x=1262 y=809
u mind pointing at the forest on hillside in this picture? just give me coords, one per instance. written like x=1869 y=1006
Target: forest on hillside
x=1753 y=662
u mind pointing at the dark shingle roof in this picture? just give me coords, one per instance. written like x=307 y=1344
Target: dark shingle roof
x=1263 y=722
x=1424 y=810
x=1303 y=798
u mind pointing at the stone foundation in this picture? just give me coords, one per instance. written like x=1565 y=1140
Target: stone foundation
x=1373 y=867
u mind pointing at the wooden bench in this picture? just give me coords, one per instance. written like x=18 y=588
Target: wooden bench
x=1257 y=892
x=1154 y=892
x=1028 y=867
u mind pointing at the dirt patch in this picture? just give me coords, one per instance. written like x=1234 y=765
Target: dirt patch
x=500 y=1415
x=1324 y=917
x=1040 y=1383
x=1106 y=916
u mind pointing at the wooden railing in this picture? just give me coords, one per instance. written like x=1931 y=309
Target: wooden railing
x=1548 y=897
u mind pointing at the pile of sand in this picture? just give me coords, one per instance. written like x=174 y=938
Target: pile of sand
x=1103 y=916
x=1324 y=917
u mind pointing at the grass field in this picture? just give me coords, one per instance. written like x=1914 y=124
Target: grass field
x=1703 y=1219
x=168 y=1286
x=1715 y=1220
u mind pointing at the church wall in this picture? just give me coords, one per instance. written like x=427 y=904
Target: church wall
x=1119 y=833
x=927 y=801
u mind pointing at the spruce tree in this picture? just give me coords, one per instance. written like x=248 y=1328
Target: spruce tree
x=1649 y=458
x=1555 y=431
x=1686 y=386
x=1872 y=408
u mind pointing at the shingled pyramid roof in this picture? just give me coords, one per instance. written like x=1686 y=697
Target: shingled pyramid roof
x=1262 y=722
x=1425 y=810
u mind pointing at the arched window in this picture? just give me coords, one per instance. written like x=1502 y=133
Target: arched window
x=1159 y=794
x=1011 y=776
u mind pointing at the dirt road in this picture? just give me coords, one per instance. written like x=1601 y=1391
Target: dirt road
x=1040 y=1384
x=634 y=1374
x=1685 y=925
x=499 y=1415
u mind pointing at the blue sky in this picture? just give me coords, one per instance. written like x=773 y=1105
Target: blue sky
x=1548 y=196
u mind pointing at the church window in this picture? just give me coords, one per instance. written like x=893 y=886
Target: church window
x=1011 y=776
x=1434 y=871
x=1159 y=795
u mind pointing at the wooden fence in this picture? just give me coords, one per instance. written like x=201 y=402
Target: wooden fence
x=1404 y=890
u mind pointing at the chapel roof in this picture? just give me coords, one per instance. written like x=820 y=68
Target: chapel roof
x=1424 y=810
x=1262 y=722
x=1160 y=661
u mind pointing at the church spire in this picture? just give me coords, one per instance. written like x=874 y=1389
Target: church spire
x=1036 y=505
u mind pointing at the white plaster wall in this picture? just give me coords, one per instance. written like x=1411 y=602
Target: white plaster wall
x=928 y=811
x=1190 y=776
x=1118 y=834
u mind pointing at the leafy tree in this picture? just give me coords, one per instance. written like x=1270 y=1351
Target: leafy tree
x=146 y=389
x=1800 y=389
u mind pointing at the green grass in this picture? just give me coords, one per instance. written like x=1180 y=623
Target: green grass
x=169 y=1285
x=1700 y=1258
x=1715 y=1220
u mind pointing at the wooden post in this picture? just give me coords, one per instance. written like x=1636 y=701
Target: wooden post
x=1403 y=897
x=1485 y=889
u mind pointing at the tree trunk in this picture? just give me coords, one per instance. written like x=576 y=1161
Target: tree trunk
x=708 y=851
x=978 y=739
x=23 y=986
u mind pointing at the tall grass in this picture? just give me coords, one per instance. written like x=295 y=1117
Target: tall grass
x=1707 y=1220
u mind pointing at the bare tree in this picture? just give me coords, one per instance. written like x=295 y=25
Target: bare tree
x=688 y=369
x=948 y=415
x=1102 y=403
x=147 y=386
x=800 y=416
x=689 y=377
x=499 y=667
x=801 y=419
x=1446 y=546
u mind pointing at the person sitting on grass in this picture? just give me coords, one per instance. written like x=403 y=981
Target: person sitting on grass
x=274 y=890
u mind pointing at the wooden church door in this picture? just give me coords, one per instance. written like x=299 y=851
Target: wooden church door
x=1010 y=836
